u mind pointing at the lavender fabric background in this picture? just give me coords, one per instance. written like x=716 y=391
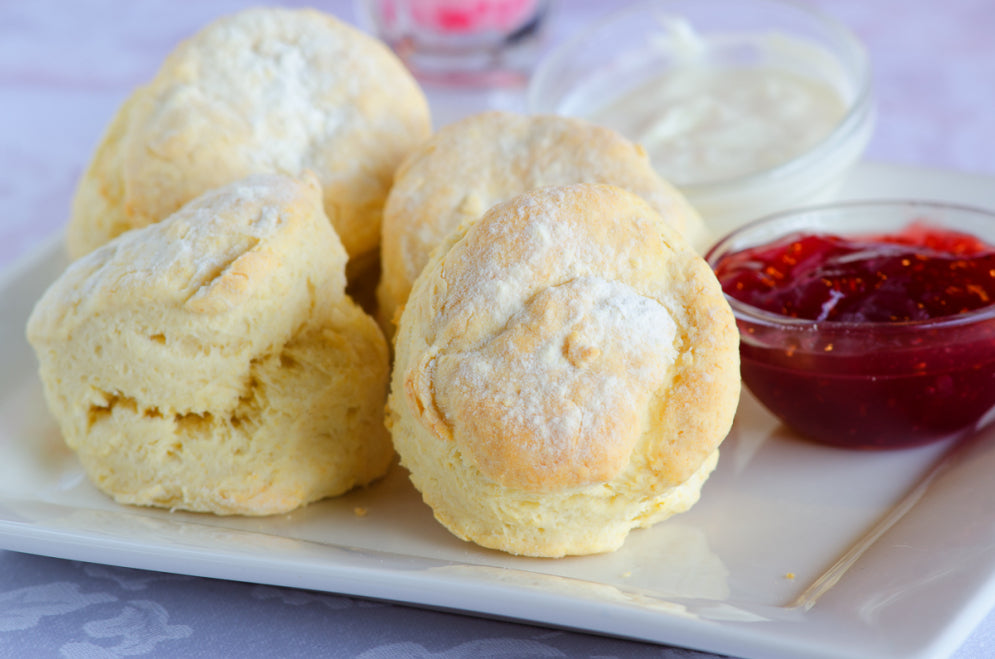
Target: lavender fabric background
x=64 y=69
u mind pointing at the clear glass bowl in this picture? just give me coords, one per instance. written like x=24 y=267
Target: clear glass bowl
x=874 y=384
x=621 y=56
x=454 y=43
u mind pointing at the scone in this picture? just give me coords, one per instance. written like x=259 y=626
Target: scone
x=212 y=362
x=565 y=369
x=473 y=164
x=261 y=91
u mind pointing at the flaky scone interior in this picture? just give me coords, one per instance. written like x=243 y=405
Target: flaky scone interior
x=213 y=362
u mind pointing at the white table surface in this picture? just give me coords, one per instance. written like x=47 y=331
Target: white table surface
x=64 y=69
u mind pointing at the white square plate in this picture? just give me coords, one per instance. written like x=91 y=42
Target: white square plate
x=794 y=549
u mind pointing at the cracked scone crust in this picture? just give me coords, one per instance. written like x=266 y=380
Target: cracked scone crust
x=212 y=362
x=473 y=164
x=261 y=91
x=565 y=370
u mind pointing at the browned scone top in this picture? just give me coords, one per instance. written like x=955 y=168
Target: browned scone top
x=473 y=164
x=566 y=367
x=263 y=90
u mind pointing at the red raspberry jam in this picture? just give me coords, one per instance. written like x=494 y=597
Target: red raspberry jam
x=894 y=358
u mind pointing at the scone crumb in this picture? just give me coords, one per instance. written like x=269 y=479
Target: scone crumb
x=359 y=511
x=789 y=575
x=626 y=575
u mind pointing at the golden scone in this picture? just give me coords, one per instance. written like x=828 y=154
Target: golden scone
x=264 y=90
x=212 y=362
x=473 y=164
x=565 y=369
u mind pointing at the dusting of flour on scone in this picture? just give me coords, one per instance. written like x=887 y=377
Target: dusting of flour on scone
x=266 y=90
x=565 y=370
x=212 y=361
x=473 y=164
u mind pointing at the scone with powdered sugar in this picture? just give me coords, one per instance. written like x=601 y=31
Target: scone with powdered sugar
x=565 y=369
x=264 y=90
x=487 y=158
x=212 y=362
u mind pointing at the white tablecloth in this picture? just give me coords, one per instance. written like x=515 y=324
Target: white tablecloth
x=64 y=69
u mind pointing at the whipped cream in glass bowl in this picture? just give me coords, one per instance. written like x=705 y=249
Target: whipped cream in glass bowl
x=749 y=106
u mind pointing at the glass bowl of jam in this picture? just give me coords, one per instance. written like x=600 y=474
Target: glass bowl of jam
x=867 y=324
